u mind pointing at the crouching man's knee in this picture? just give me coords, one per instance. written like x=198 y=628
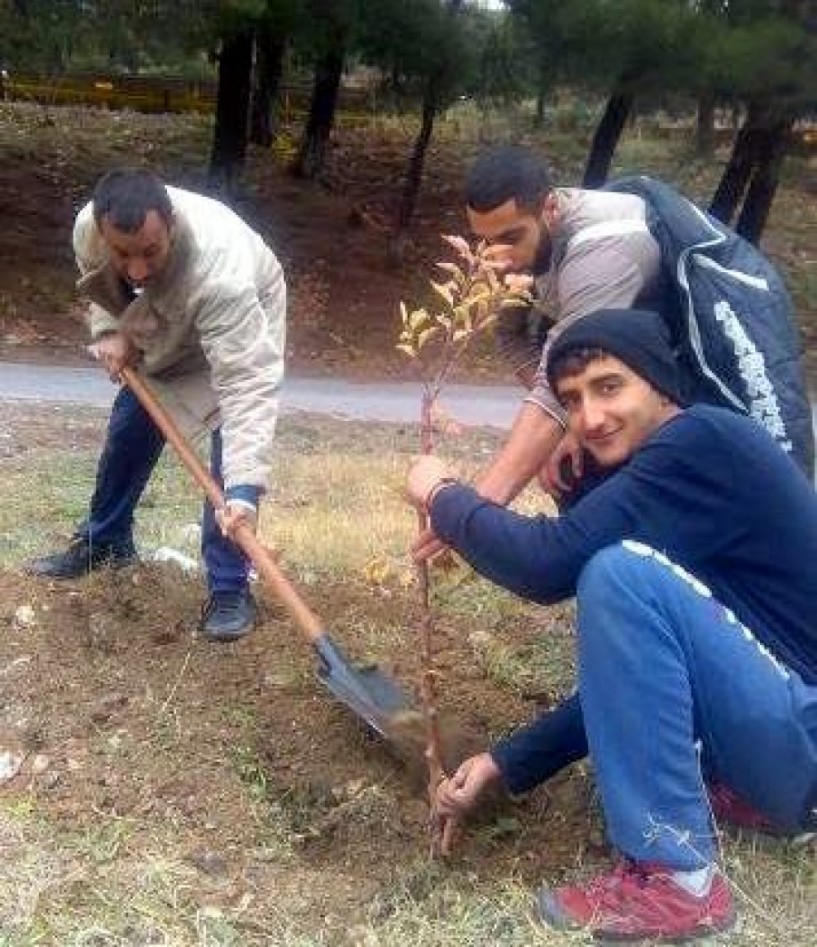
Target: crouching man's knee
x=615 y=567
x=621 y=579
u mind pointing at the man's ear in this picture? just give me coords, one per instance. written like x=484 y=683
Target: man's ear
x=550 y=210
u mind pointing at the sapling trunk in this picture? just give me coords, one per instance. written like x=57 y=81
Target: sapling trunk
x=471 y=299
x=441 y=834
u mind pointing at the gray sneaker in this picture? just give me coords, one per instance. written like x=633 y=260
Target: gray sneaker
x=228 y=616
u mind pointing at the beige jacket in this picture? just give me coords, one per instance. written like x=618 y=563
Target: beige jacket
x=211 y=330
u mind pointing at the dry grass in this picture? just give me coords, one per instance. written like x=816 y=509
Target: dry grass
x=111 y=881
x=367 y=519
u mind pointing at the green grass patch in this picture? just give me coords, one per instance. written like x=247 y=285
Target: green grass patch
x=104 y=879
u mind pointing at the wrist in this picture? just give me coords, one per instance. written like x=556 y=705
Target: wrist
x=246 y=495
x=436 y=488
x=495 y=488
x=249 y=508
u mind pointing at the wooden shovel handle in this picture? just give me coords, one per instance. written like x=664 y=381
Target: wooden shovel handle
x=243 y=536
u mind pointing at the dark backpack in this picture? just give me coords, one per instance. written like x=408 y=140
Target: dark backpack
x=731 y=318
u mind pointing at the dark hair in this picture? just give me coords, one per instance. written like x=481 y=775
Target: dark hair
x=127 y=195
x=507 y=173
x=572 y=363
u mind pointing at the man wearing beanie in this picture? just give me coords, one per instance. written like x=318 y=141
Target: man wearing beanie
x=635 y=243
x=696 y=635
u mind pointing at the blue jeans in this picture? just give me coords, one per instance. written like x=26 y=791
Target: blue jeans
x=671 y=682
x=133 y=445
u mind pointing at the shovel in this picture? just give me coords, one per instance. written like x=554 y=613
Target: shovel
x=374 y=697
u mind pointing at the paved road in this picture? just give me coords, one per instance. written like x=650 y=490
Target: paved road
x=377 y=401
x=493 y=405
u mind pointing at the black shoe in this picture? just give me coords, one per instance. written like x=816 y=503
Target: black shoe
x=228 y=616
x=81 y=558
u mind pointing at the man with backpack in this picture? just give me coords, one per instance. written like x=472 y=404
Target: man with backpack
x=636 y=243
x=642 y=246
x=696 y=635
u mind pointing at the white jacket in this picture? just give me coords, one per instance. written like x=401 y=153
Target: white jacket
x=211 y=329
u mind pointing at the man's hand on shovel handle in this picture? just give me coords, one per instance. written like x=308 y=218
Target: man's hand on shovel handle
x=115 y=351
x=236 y=513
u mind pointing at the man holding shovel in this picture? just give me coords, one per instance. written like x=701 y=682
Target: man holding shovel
x=697 y=642
x=183 y=290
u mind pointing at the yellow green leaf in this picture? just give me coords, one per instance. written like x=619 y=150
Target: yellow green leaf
x=444 y=290
x=377 y=570
x=418 y=319
x=426 y=335
x=451 y=268
x=515 y=302
x=460 y=244
x=463 y=317
x=477 y=296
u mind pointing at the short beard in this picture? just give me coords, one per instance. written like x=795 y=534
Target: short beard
x=544 y=253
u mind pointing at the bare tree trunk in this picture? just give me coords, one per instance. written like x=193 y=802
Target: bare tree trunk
x=414 y=173
x=543 y=87
x=765 y=179
x=606 y=138
x=705 y=125
x=735 y=179
x=312 y=152
x=539 y=109
x=432 y=100
x=270 y=48
x=754 y=168
x=232 y=110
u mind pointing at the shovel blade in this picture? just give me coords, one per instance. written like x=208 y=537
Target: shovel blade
x=369 y=693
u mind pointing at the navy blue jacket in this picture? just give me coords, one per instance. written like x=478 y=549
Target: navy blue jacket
x=711 y=490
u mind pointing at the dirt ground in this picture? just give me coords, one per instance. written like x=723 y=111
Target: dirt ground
x=96 y=673
x=117 y=712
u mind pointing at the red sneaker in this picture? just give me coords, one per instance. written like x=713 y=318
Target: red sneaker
x=638 y=902
x=729 y=807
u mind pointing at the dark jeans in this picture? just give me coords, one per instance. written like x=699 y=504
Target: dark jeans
x=133 y=445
